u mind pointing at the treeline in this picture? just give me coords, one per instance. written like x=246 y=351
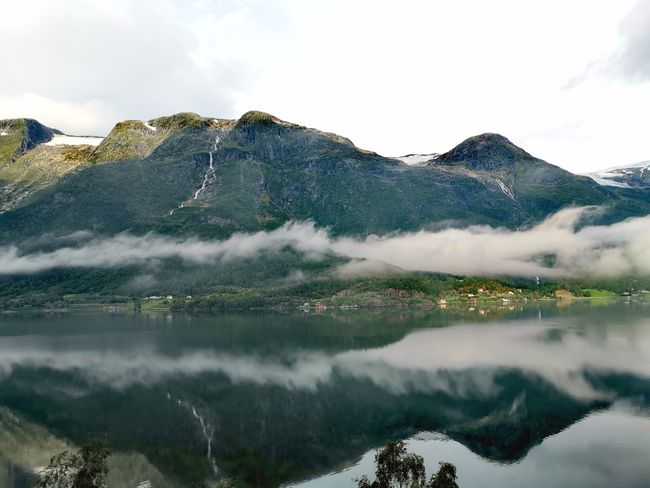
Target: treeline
x=415 y=288
x=281 y=280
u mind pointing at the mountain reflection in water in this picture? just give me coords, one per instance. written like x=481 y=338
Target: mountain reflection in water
x=274 y=399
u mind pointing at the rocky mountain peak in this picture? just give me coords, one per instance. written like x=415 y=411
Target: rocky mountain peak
x=20 y=135
x=485 y=152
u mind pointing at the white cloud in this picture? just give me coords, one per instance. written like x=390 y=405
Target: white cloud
x=633 y=58
x=111 y=61
x=622 y=248
x=398 y=78
x=76 y=117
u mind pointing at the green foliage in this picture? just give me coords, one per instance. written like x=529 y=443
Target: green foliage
x=86 y=468
x=181 y=121
x=61 y=472
x=397 y=468
x=474 y=284
x=445 y=477
x=128 y=140
x=281 y=280
x=20 y=135
x=408 y=283
x=256 y=117
x=595 y=293
x=10 y=145
x=39 y=168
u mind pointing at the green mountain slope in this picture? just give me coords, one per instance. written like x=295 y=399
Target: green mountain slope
x=20 y=171
x=535 y=186
x=267 y=171
x=20 y=135
x=156 y=176
x=29 y=162
x=136 y=139
x=187 y=175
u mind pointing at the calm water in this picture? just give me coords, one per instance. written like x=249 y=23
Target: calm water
x=538 y=397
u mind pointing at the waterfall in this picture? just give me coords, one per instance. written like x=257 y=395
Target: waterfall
x=207 y=178
x=207 y=430
x=209 y=174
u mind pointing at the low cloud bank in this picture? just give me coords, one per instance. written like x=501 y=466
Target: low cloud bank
x=554 y=248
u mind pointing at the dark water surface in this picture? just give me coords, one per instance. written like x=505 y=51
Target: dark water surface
x=539 y=396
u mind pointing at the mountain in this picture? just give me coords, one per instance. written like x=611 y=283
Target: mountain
x=20 y=135
x=137 y=139
x=212 y=177
x=534 y=186
x=631 y=176
x=190 y=176
x=33 y=156
x=418 y=159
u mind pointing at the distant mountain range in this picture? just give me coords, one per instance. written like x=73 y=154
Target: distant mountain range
x=186 y=174
x=627 y=176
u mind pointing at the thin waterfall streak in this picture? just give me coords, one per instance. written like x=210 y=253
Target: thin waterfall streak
x=206 y=430
x=209 y=175
x=207 y=178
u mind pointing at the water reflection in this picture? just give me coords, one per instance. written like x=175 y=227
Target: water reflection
x=273 y=399
x=603 y=450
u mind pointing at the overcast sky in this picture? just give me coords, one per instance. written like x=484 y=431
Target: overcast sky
x=568 y=80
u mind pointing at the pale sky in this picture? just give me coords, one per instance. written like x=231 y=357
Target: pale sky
x=568 y=80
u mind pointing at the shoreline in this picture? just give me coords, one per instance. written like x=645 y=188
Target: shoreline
x=314 y=307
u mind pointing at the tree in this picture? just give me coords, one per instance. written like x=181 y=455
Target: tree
x=86 y=468
x=397 y=468
x=445 y=477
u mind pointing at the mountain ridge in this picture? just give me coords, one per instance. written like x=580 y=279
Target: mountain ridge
x=191 y=178
x=22 y=134
x=267 y=171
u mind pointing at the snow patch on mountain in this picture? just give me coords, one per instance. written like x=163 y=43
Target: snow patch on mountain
x=617 y=175
x=603 y=180
x=59 y=140
x=417 y=159
x=149 y=126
